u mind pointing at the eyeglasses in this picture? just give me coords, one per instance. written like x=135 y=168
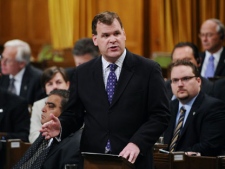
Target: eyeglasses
x=207 y=35
x=183 y=79
x=5 y=60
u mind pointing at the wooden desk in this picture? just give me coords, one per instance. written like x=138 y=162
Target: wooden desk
x=103 y=161
x=14 y=150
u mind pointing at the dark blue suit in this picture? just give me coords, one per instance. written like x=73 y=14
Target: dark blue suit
x=139 y=112
x=14 y=116
x=30 y=88
x=220 y=69
x=203 y=130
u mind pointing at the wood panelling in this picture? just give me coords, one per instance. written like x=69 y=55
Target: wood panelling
x=131 y=14
x=26 y=20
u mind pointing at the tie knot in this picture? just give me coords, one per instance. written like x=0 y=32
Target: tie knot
x=211 y=58
x=112 y=67
x=182 y=110
x=12 y=80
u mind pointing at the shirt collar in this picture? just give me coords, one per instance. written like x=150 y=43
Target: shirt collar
x=189 y=104
x=119 y=61
x=216 y=54
x=18 y=77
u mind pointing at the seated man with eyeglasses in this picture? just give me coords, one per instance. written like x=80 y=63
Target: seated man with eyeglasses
x=212 y=36
x=188 y=51
x=197 y=120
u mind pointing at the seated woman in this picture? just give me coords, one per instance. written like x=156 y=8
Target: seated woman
x=52 y=78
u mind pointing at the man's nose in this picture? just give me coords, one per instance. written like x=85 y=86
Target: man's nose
x=180 y=82
x=112 y=39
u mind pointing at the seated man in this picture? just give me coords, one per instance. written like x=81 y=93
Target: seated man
x=84 y=50
x=47 y=154
x=18 y=75
x=52 y=78
x=218 y=89
x=188 y=51
x=197 y=120
x=14 y=117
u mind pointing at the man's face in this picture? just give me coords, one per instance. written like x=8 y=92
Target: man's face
x=184 y=53
x=52 y=105
x=57 y=82
x=9 y=65
x=184 y=85
x=110 y=40
x=82 y=59
x=210 y=38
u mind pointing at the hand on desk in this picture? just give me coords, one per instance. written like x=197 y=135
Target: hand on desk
x=130 y=152
x=192 y=153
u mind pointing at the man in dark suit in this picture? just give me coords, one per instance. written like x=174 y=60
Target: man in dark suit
x=83 y=51
x=212 y=35
x=126 y=120
x=197 y=120
x=55 y=154
x=15 y=64
x=218 y=89
x=14 y=117
x=188 y=51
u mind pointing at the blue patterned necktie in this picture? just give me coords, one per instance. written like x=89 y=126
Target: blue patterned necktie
x=178 y=129
x=210 y=68
x=110 y=88
x=111 y=82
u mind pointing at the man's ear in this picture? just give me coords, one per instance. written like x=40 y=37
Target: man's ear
x=94 y=38
x=22 y=64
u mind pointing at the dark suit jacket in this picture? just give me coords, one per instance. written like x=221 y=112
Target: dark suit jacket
x=218 y=89
x=14 y=116
x=139 y=111
x=203 y=130
x=31 y=88
x=206 y=87
x=220 y=69
x=60 y=153
x=65 y=152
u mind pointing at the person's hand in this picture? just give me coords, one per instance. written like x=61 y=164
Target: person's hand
x=52 y=128
x=192 y=153
x=130 y=152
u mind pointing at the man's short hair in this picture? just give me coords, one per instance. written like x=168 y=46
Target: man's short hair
x=192 y=46
x=220 y=27
x=85 y=46
x=105 y=18
x=185 y=63
x=64 y=94
x=23 y=53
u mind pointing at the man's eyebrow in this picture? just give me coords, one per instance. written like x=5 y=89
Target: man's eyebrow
x=50 y=103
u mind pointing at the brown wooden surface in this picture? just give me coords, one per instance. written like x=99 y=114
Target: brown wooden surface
x=15 y=149
x=178 y=160
x=101 y=161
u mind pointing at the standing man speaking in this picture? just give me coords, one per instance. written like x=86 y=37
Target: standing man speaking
x=120 y=96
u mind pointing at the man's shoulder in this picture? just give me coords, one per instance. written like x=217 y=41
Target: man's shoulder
x=206 y=101
x=12 y=99
x=33 y=70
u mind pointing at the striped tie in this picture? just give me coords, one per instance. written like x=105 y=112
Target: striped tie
x=178 y=129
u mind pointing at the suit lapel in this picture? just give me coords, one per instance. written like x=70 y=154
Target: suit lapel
x=98 y=79
x=221 y=63
x=2 y=102
x=174 y=109
x=193 y=112
x=125 y=76
x=25 y=82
